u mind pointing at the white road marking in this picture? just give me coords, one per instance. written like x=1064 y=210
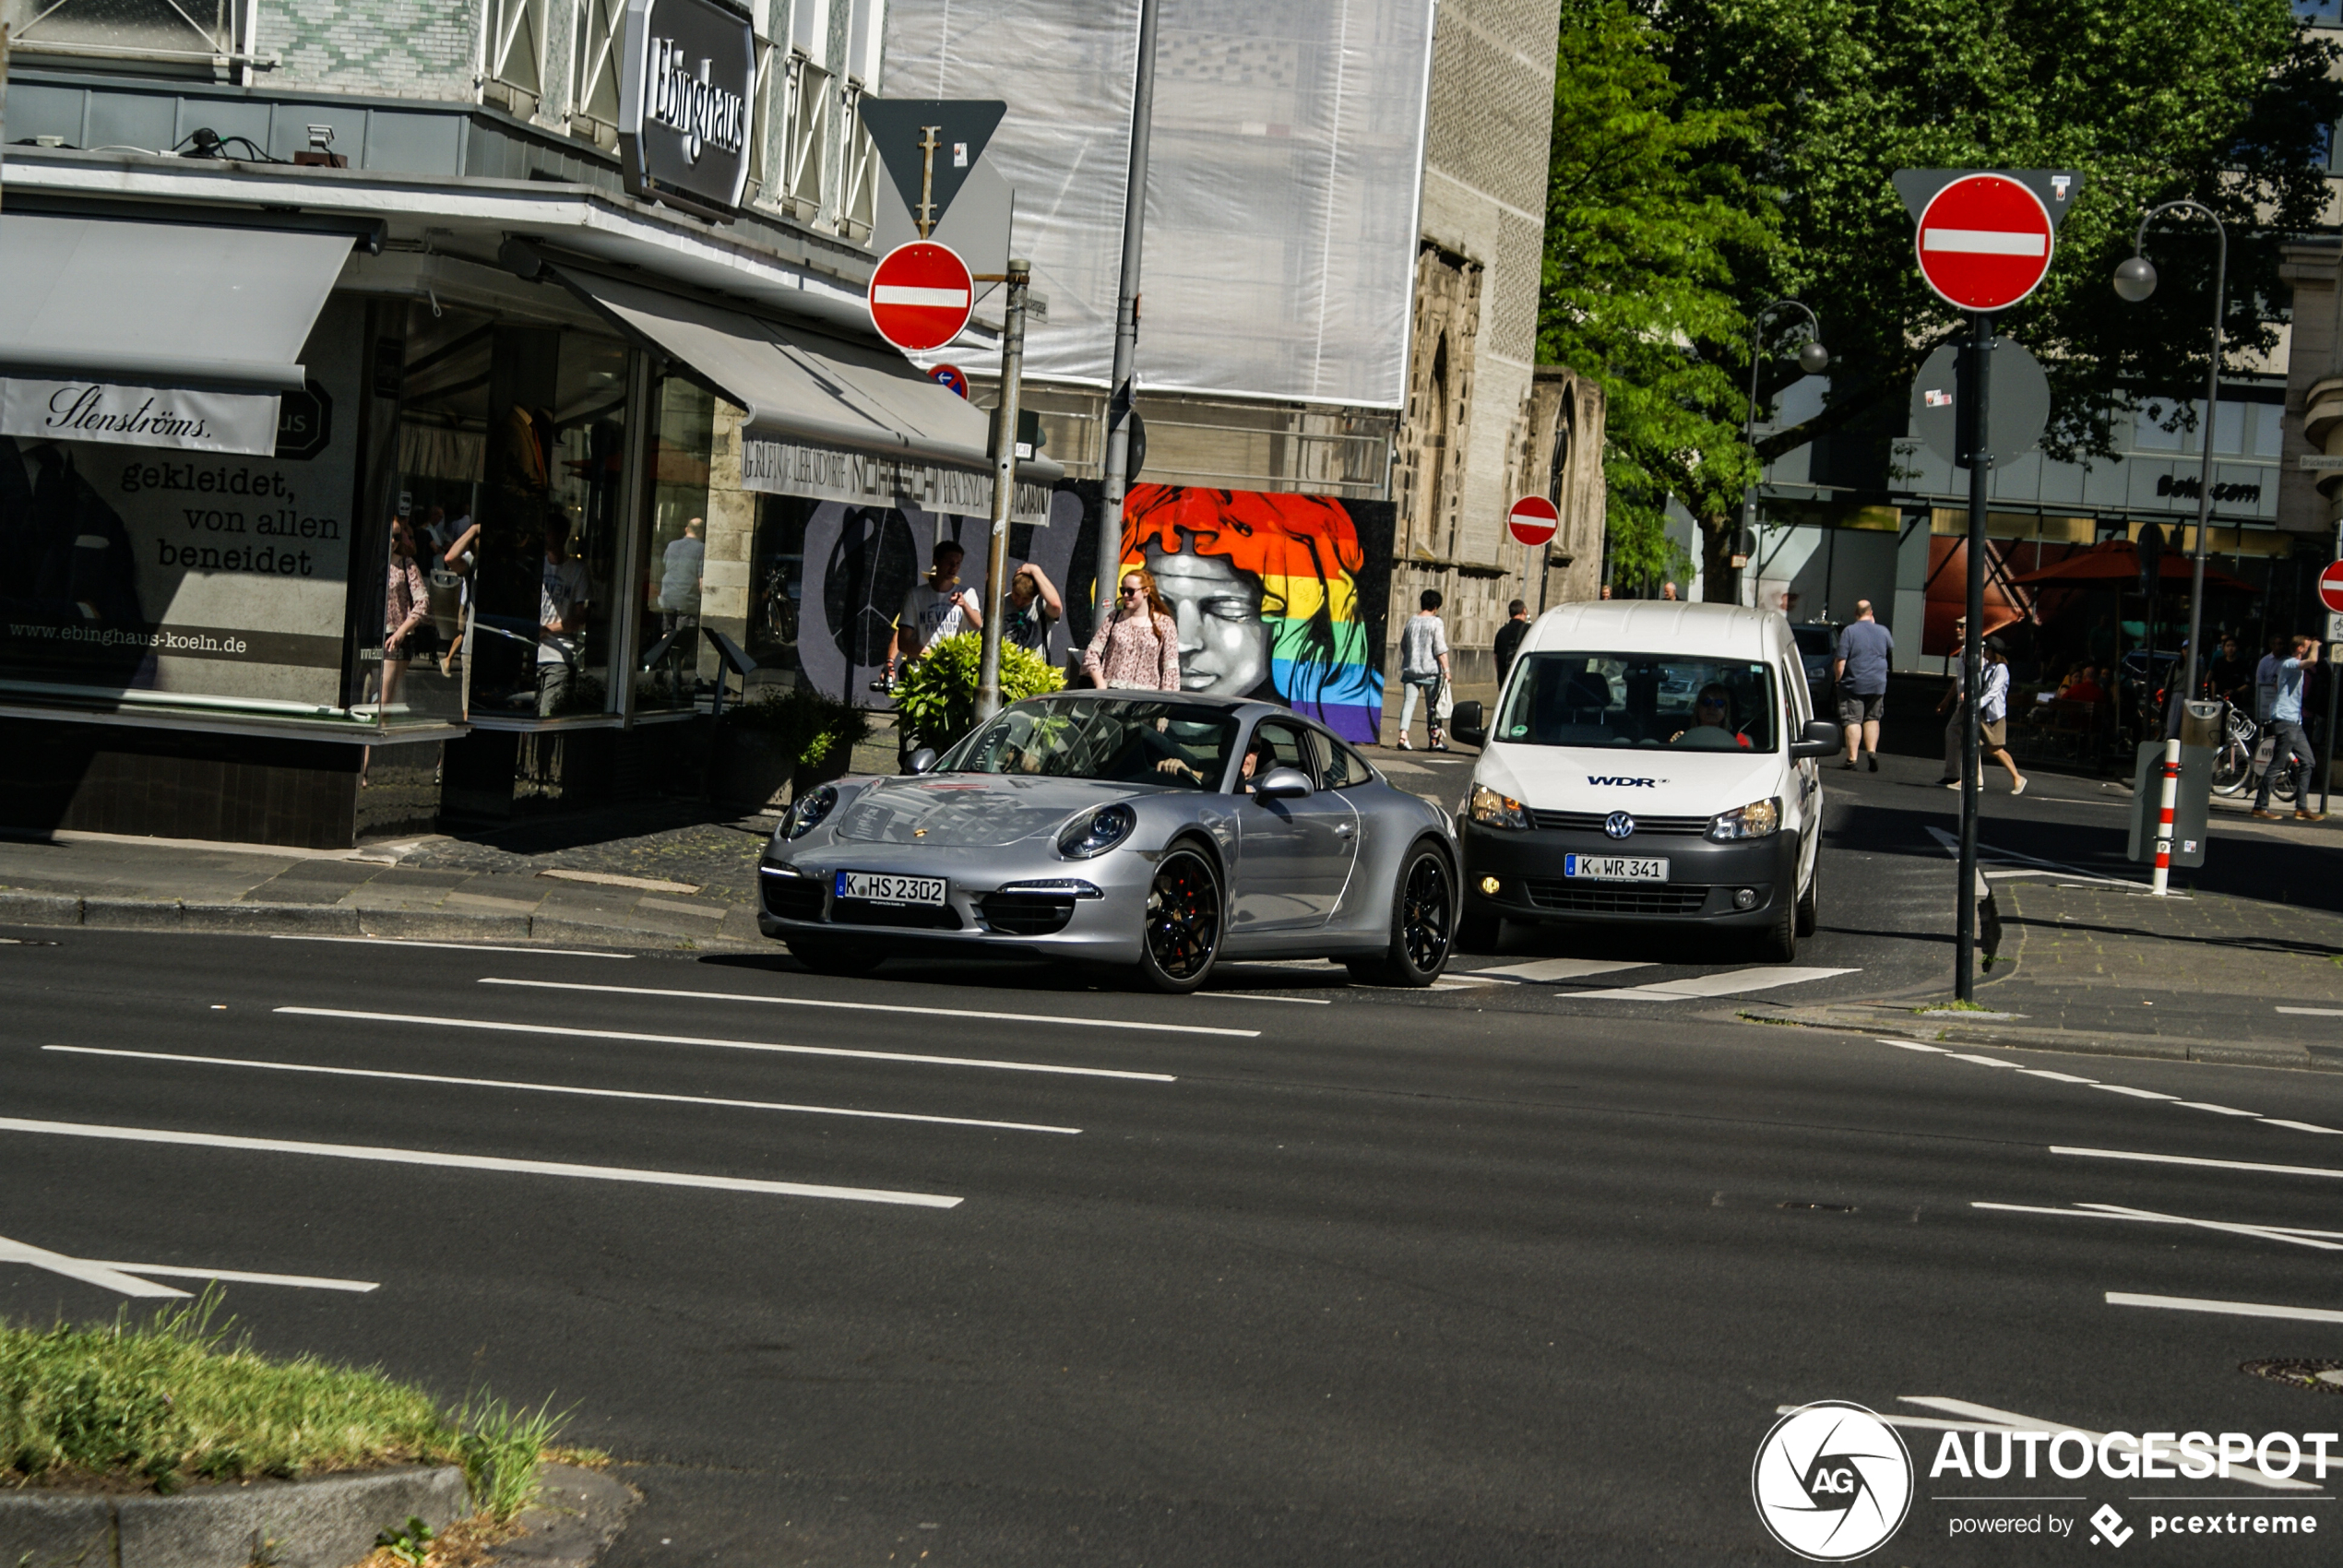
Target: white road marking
x=903 y=1058
x=243 y=1276
x=880 y=1007
x=612 y=879
x=1730 y=982
x=2232 y=1309
x=2315 y=1012
x=2056 y=1077
x=563 y=1089
x=1913 y=1045
x=2216 y=1109
x=2137 y=1094
x=458 y=946
x=1251 y=997
x=2299 y=1126
x=2016 y=1422
x=475 y=1162
x=1951 y=843
x=1545 y=970
x=2194 y=1159
x=2323 y=1240
x=1980 y=1061
x=110 y=1277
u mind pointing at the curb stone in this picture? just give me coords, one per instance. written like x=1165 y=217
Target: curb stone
x=575 y=1517
x=327 y=1522
x=436 y=925
x=2170 y=1048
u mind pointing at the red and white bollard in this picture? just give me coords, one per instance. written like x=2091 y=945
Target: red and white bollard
x=2167 y=800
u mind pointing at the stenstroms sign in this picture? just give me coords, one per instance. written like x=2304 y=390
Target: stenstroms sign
x=684 y=110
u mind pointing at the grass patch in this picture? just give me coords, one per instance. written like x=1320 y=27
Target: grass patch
x=183 y=1397
x=1954 y=1005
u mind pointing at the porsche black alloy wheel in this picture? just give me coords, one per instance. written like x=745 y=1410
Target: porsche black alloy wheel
x=1423 y=925
x=1182 y=920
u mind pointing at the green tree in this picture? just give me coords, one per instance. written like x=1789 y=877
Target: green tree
x=1651 y=208
x=2227 y=102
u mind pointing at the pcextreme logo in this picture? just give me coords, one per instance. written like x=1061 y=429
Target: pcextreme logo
x=1832 y=1481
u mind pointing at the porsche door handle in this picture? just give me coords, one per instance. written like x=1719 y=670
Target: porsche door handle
x=1345 y=829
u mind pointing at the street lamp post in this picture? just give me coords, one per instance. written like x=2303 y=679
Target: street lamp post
x=2135 y=281
x=1813 y=357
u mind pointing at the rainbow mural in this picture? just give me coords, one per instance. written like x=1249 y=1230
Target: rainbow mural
x=1267 y=588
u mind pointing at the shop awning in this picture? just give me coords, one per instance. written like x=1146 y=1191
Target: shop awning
x=160 y=335
x=825 y=418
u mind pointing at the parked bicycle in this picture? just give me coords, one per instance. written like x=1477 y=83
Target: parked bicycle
x=2244 y=754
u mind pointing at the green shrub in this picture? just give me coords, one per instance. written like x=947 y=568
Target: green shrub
x=806 y=725
x=938 y=698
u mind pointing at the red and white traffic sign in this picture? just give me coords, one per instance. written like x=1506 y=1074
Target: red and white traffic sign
x=1533 y=519
x=921 y=296
x=2331 y=587
x=1984 y=242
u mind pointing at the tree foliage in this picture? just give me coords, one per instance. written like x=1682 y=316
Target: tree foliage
x=1648 y=202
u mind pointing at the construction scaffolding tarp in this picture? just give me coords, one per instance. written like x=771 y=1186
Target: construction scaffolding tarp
x=1284 y=178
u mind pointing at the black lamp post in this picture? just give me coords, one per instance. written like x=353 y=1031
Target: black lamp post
x=1814 y=359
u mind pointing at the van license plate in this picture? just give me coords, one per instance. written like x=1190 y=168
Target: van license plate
x=884 y=887
x=1614 y=868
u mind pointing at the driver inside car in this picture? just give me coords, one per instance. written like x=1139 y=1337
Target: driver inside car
x=1713 y=709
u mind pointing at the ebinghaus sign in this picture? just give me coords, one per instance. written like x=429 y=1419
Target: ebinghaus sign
x=828 y=473
x=688 y=69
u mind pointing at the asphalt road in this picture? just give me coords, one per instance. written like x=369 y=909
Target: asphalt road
x=986 y=1267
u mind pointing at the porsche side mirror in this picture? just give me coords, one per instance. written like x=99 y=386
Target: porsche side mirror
x=1282 y=784
x=1470 y=724
x=923 y=760
x=1820 y=738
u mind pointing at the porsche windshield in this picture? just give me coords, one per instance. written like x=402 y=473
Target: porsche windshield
x=1126 y=740
x=1640 y=699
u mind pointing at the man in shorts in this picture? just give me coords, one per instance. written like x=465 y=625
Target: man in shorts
x=1866 y=648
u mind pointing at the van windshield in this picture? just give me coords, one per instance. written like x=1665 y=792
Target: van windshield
x=1640 y=699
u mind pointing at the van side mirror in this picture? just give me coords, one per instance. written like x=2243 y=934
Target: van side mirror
x=1470 y=723
x=1819 y=739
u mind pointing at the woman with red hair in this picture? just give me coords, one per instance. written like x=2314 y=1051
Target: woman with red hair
x=1138 y=646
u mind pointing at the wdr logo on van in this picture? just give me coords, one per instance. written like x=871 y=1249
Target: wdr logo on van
x=1832 y=1481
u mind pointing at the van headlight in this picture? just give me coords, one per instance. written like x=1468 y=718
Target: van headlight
x=806 y=814
x=1492 y=810
x=1094 y=833
x=1756 y=820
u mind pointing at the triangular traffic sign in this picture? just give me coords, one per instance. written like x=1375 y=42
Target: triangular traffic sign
x=962 y=128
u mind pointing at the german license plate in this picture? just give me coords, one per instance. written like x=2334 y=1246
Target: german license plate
x=885 y=887
x=1614 y=868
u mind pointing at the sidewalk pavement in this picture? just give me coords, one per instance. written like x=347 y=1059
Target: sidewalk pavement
x=2103 y=968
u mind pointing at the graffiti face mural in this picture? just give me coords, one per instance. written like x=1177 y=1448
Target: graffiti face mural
x=1268 y=593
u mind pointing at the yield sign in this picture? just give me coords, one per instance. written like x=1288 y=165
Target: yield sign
x=2331 y=587
x=1533 y=519
x=1984 y=242
x=921 y=296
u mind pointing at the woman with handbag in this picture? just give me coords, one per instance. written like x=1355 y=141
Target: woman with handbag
x=1424 y=672
x=1138 y=644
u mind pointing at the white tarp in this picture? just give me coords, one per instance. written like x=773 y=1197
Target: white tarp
x=1282 y=193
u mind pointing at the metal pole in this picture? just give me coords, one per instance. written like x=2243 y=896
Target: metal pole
x=1978 y=385
x=996 y=552
x=2205 y=480
x=2334 y=679
x=1121 y=398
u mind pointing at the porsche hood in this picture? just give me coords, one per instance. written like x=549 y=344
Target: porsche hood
x=967 y=809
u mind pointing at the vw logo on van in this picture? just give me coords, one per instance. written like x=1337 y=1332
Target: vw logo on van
x=1619 y=825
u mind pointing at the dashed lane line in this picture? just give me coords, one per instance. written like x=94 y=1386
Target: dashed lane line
x=2294 y=1235
x=569 y=1031
x=560 y=1089
x=2258 y=1166
x=2232 y=1309
x=1730 y=983
x=2125 y=1090
x=473 y=1162
x=458 y=946
x=921 y=1012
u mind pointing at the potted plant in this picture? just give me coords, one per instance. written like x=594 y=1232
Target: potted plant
x=936 y=701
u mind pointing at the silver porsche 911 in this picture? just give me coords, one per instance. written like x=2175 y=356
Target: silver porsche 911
x=1157 y=832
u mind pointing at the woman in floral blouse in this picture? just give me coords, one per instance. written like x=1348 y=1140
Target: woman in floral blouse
x=1138 y=646
x=406 y=606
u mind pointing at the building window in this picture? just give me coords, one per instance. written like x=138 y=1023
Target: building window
x=796 y=152
x=598 y=40
x=192 y=32
x=679 y=563
x=514 y=69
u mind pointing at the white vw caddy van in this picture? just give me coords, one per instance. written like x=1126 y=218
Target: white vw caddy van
x=1648 y=761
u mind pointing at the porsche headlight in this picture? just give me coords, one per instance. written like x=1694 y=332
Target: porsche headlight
x=806 y=814
x=1756 y=820
x=1492 y=810
x=1096 y=833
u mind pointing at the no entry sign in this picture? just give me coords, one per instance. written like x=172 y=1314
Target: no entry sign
x=1984 y=242
x=921 y=296
x=1533 y=519
x=2331 y=587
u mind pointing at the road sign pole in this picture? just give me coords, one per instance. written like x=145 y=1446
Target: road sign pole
x=1977 y=385
x=996 y=553
x=2334 y=679
x=1122 y=397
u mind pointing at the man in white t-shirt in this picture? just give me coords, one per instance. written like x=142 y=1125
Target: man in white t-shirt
x=934 y=607
x=562 y=595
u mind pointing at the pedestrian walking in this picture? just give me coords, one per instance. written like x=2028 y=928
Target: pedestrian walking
x=1138 y=644
x=1952 y=701
x=1993 y=715
x=1508 y=643
x=2293 y=751
x=2266 y=680
x=1423 y=669
x=1866 y=648
x=1030 y=607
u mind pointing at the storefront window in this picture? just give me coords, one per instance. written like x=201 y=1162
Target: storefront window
x=776 y=582
x=675 y=665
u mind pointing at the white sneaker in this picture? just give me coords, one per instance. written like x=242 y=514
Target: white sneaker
x=1403 y=744
x=2019 y=788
